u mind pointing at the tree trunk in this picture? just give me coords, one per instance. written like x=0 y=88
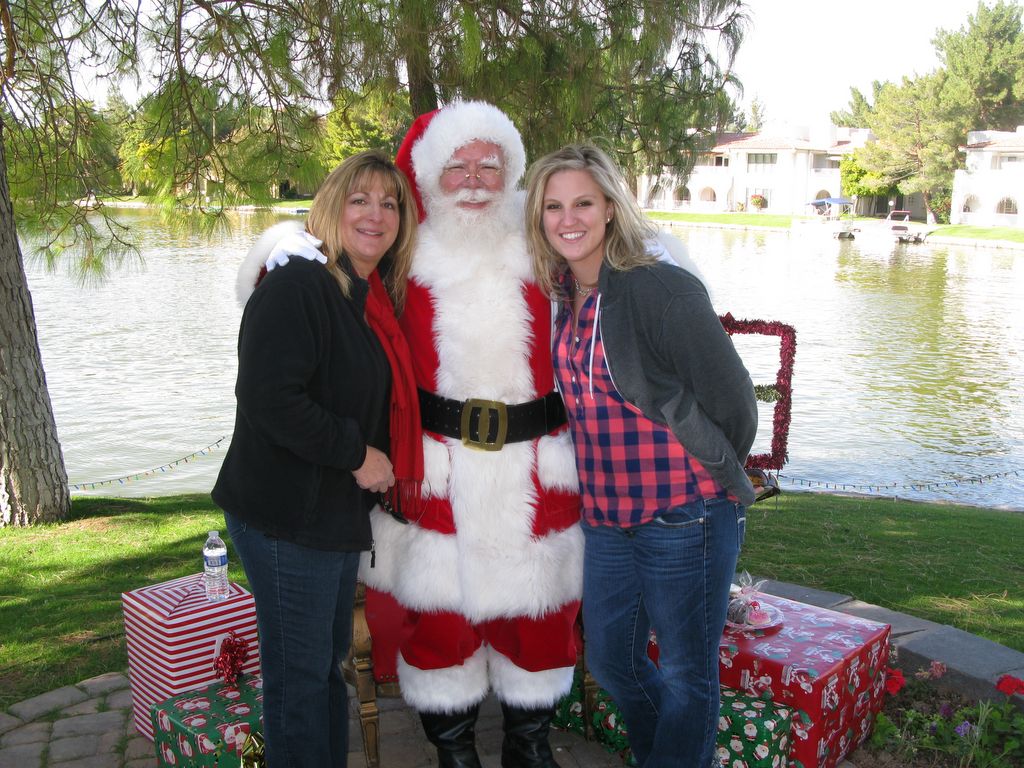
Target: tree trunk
x=33 y=480
x=929 y=214
x=414 y=43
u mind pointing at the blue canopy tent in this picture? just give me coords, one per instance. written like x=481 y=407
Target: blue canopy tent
x=830 y=207
x=832 y=201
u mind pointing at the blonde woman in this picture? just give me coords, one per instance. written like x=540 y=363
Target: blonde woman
x=326 y=422
x=663 y=414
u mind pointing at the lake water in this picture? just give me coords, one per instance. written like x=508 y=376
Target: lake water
x=907 y=381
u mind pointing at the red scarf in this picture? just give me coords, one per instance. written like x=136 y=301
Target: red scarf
x=406 y=451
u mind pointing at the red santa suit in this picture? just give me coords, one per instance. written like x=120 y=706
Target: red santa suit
x=491 y=571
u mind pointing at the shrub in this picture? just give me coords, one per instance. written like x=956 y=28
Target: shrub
x=920 y=721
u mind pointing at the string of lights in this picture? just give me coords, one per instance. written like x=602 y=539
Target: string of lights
x=789 y=479
x=124 y=479
x=883 y=487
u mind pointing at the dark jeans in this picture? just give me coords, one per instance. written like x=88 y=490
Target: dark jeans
x=672 y=574
x=304 y=599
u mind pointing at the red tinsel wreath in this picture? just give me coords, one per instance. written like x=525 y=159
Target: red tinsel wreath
x=783 y=385
x=233 y=652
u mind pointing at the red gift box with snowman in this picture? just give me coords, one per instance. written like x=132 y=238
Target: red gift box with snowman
x=174 y=634
x=827 y=667
x=208 y=727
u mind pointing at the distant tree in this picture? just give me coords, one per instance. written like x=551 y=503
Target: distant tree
x=361 y=121
x=855 y=179
x=984 y=64
x=757 y=115
x=860 y=108
x=916 y=138
x=638 y=75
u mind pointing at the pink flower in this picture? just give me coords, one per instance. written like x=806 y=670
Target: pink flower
x=936 y=670
x=1010 y=685
x=894 y=680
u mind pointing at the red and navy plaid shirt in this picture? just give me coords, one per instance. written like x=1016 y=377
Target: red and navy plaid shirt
x=630 y=467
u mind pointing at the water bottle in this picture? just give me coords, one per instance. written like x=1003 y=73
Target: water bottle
x=215 y=568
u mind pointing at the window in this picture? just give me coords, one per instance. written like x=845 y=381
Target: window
x=681 y=195
x=721 y=161
x=1007 y=205
x=970 y=204
x=707 y=195
x=1010 y=161
x=760 y=161
x=822 y=194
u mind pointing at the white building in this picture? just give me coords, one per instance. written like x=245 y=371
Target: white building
x=789 y=166
x=990 y=190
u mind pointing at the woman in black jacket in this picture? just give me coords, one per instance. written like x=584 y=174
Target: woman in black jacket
x=324 y=383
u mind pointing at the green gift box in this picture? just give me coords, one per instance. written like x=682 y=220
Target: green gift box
x=569 y=710
x=207 y=727
x=752 y=732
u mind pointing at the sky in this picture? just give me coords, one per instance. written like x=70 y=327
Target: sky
x=800 y=58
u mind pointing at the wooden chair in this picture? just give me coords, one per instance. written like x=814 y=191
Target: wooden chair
x=358 y=671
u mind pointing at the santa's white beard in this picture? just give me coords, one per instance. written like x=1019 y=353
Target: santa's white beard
x=488 y=224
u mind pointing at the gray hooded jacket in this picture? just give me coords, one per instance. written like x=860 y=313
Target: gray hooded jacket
x=669 y=356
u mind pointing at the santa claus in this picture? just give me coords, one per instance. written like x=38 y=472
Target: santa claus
x=491 y=569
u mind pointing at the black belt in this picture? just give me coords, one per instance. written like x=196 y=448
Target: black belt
x=489 y=424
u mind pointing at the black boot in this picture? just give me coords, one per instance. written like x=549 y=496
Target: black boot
x=526 y=738
x=454 y=737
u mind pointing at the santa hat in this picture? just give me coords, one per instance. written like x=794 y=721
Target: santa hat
x=433 y=138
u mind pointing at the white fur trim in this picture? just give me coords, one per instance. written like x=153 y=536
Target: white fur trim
x=480 y=579
x=457 y=125
x=451 y=689
x=523 y=688
x=388 y=549
x=256 y=258
x=677 y=253
x=556 y=463
x=437 y=467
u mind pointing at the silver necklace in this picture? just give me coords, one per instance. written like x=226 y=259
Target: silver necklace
x=583 y=290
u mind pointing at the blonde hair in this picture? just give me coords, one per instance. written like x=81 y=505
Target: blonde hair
x=359 y=172
x=625 y=235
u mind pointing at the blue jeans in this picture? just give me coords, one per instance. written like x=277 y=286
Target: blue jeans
x=672 y=575
x=304 y=600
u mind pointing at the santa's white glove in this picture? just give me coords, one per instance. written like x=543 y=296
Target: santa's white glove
x=295 y=244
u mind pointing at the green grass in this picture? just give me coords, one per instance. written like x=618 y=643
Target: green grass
x=60 y=606
x=950 y=564
x=1009 y=234
x=60 y=603
x=735 y=219
x=289 y=204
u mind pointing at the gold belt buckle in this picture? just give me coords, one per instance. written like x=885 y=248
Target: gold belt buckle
x=484 y=425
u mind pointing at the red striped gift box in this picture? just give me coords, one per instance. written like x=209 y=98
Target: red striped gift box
x=173 y=635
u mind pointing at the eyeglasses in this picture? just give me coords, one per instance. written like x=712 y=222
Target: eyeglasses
x=486 y=174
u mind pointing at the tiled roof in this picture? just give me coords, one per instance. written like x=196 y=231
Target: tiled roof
x=1009 y=141
x=764 y=141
